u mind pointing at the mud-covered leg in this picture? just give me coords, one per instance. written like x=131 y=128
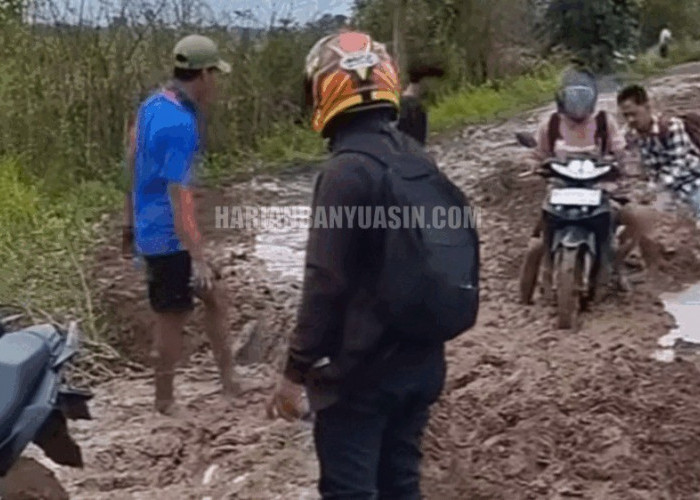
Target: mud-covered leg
x=216 y=325
x=530 y=270
x=167 y=350
x=639 y=225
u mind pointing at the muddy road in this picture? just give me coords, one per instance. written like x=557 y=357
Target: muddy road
x=529 y=412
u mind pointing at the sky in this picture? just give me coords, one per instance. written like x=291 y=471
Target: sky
x=262 y=10
x=302 y=10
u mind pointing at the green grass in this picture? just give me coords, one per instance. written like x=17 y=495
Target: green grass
x=288 y=143
x=650 y=63
x=495 y=100
x=44 y=243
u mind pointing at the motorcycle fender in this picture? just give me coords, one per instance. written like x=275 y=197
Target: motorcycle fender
x=73 y=403
x=574 y=237
x=24 y=430
x=56 y=441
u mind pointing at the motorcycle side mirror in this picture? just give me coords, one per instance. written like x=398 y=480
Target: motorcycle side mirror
x=526 y=139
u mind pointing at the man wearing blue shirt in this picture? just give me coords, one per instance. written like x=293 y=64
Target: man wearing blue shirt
x=160 y=222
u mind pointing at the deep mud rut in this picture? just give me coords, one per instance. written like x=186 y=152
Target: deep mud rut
x=529 y=412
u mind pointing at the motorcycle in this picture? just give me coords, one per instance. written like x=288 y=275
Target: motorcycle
x=34 y=401
x=578 y=232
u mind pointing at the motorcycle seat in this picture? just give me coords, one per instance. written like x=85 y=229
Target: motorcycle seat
x=23 y=356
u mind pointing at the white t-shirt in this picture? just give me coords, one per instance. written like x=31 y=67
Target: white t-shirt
x=665 y=36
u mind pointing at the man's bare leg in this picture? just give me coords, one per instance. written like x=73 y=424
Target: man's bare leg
x=639 y=225
x=168 y=350
x=216 y=327
x=530 y=270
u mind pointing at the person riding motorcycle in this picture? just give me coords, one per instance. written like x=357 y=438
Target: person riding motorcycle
x=575 y=128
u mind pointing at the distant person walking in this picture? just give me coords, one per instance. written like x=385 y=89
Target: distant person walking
x=664 y=41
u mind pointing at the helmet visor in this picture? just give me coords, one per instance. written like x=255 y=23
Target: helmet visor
x=578 y=101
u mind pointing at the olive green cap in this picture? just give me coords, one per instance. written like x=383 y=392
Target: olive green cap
x=198 y=52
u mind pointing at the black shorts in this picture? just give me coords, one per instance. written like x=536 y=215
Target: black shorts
x=169 y=287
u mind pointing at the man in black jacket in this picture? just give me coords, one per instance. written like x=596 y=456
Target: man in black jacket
x=371 y=396
x=413 y=119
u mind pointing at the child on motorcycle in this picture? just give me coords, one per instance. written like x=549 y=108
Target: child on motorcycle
x=576 y=128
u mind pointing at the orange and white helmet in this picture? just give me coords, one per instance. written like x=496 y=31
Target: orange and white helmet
x=349 y=70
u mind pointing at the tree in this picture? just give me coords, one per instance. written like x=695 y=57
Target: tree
x=468 y=37
x=593 y=29
x=325 y=25
x=681 y=17
x=11 y=10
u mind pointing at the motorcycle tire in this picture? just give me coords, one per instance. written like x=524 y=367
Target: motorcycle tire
x=569 y=274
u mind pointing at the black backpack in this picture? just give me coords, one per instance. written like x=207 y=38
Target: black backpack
x=691 y=123
x=428 y=288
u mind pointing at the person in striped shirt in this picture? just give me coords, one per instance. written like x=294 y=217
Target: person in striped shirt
x=670 y=157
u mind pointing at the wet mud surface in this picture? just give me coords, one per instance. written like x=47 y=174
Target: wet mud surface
x=529 y=412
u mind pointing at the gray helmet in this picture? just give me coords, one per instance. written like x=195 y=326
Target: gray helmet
x=577 y=95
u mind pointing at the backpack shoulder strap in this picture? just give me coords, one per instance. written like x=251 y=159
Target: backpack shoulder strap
x=601 y=131
x=664 y=128
x=553 y=131
x=691 y=122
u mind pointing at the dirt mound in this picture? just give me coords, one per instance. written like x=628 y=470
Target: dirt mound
x=618 y=428
x=29 y=480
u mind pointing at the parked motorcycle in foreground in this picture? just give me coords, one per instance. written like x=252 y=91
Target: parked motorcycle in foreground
x=578 y=233
x=34 y=402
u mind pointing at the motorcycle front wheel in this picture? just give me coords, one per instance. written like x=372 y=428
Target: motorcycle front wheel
x=569 y=282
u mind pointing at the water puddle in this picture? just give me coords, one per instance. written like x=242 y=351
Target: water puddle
x=282 y=250
x=685 y=308
x=281 y=243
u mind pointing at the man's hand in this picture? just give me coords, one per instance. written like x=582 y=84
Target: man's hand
x=532 y=165
x=203 y=275
x=287 y=401
x=127 y=241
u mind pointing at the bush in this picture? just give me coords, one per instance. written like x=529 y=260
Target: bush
x=490 y=101
x=44 y=241
x=19 y=200
x=651 y=62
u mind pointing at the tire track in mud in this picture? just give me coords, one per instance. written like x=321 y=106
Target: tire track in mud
x=529 y=412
